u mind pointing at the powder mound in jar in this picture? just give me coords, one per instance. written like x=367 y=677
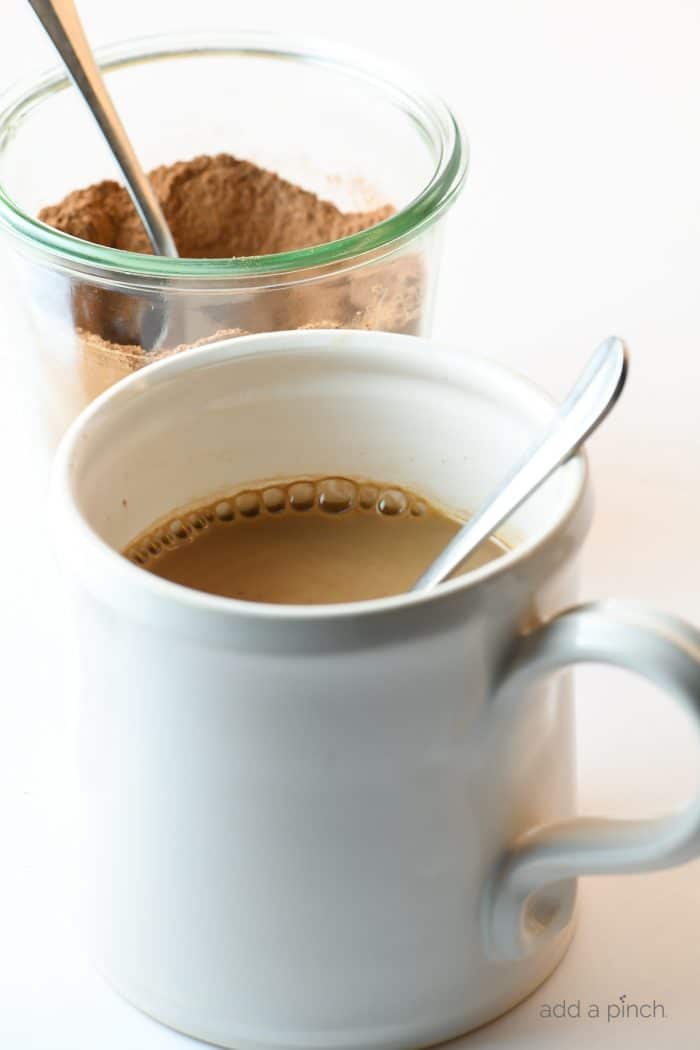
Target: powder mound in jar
x=217 y=207
x=222 y=207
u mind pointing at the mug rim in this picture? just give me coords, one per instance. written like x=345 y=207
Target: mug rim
x=64 y=505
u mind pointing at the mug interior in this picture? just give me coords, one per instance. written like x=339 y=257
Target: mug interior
x=291 y=404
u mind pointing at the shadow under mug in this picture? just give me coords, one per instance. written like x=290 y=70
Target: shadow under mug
x=347 y=825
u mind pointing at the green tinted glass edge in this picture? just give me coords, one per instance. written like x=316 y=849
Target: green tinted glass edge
x=446 y=182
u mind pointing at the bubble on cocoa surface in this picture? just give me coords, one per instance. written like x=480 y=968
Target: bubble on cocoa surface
x=248 y=504
x=197 y=521
x=153 y=547
x=302 y=495
x=179 y=530
x=275 y=499
x=367 y=496
x=224 y=512
x=419 y=508
x=336 y=495
x=392 y=502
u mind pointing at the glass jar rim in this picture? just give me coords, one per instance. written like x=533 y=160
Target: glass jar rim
x=433 y=115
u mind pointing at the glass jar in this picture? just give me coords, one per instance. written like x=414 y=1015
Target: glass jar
x=350 y=128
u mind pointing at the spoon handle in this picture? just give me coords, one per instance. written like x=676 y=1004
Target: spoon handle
x=590 y=400
x=62 y=24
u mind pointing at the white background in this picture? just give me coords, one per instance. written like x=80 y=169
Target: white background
x=580 y=218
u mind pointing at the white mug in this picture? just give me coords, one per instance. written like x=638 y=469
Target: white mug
x=338 y=826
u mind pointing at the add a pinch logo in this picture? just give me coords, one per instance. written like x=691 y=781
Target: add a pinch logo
x=621 y=1009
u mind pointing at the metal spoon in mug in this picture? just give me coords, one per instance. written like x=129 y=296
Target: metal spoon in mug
x=593 y=395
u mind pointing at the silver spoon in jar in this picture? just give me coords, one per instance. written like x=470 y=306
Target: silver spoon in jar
x=62 y=24
x=593 y=395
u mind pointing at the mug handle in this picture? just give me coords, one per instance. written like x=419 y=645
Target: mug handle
x=530 y=897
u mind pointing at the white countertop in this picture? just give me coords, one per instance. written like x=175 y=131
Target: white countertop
x=580 y=218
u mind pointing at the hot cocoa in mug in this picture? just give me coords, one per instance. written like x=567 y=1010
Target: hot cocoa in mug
x=310 y=541
x=319 y=811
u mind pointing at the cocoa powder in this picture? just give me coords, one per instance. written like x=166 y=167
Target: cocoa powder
x=222 y=207
x=216 y=207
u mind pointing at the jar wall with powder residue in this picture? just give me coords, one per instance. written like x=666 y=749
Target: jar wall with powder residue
x=352 y=132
